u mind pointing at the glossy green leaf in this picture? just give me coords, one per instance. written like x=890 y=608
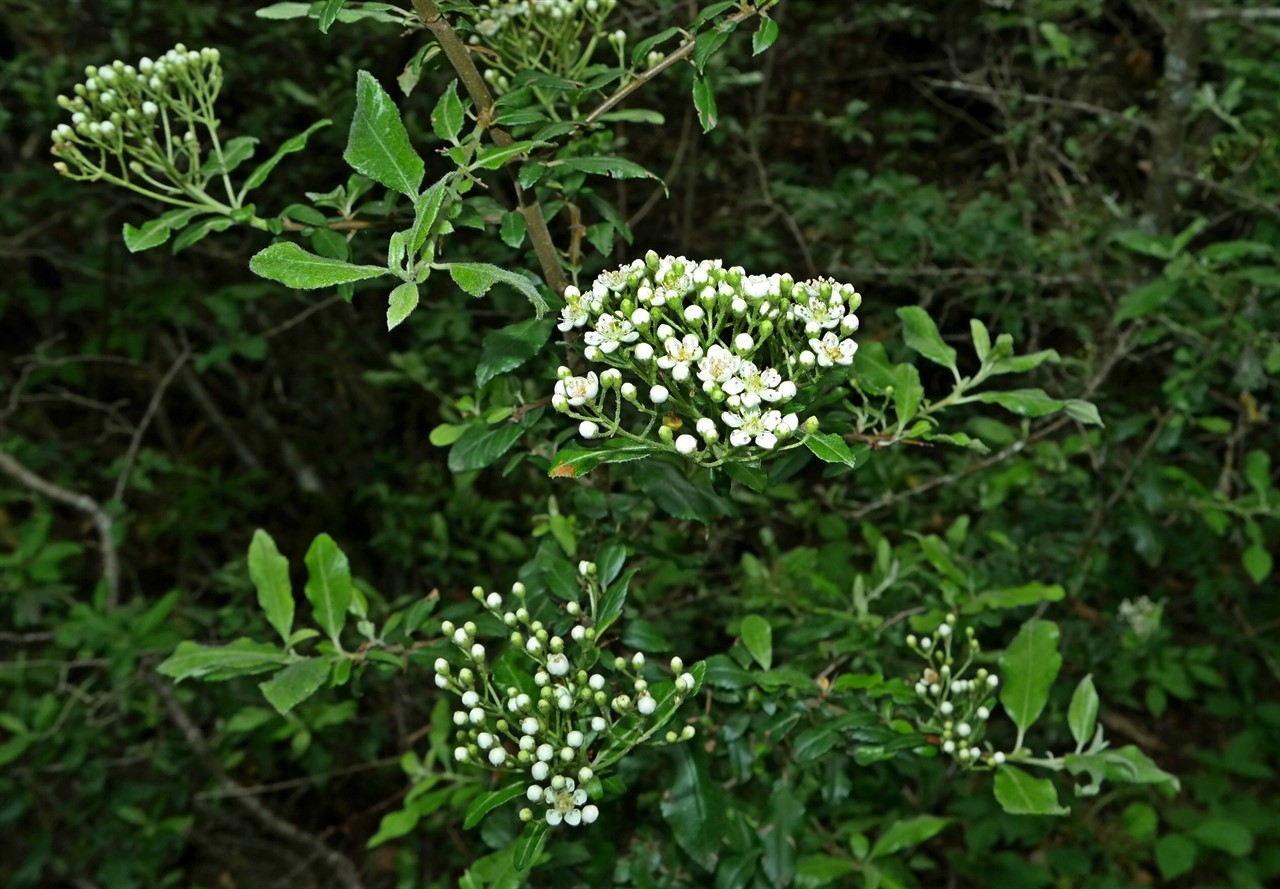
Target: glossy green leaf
x=757 y=638
x=528 y=846
x=707 y=44
x=449 y=115
x=329 y=13
x=765 y=36
x=269 y=571
x=921 y=335
x=1145 y=300
x=289 y=146
x=786 y=817
x=1020 y=794
x=575 y=461
x=908 y=834
x=1082 y=716
x=485 y=803
x=1028 y=667
x=678 y=496
x=695 y=807
x=1015 y=597
x=328 y=585
x=242 y=657
x=481 y=444
x=296 y=682
x=292 y=266
x=509 y=347
x=1023 y=402
x=476 y=278
x=378 y=145
x=704 y=100
x=831 y=448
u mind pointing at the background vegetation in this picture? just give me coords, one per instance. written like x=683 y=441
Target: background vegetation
x=1094 y=176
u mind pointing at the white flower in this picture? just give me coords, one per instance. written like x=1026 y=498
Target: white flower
x=587 y=429
x=753 y=386
x=534 y=793
x=643 y=352
x=945 y=708
x=686 y=444
x=564 y=802
x=752 y=424
x=470 y=699
x=997 y=758
x=493 y=600
x=590 y=814
x=646 y=704
x=685 y=681
x=476 y=716
x=758 y=287
x=598 y=724
x=460 y=754
x=529 y=725
x=832 y=350
x=707 y=429
x=545 y=753
x=557 y=665
x=596 y=681
x=640 y=317
x=574 y=739
x=578 y=390
x=484 y=740
x=718 y=365
x=611 y=331
x=694 y=313
x=818 y=313
x=497 y=756
x=659 y=394
x=983 y=713
x=680 y=353
x=573 y=315
x=743 y=342
x=539 y=771
x=963 y=729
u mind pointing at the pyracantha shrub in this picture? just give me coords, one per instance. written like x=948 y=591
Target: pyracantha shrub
x=693 y=347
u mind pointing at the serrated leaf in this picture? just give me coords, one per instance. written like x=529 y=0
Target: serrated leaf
x=707 y=44
x=403 y=300
x=378 y=145
x=921 y=335
x=480 y=445
x=1029 y=665
x=615 y=167
x=509 y=347
x=449 y=115
x=289 y=146
x=757 y=638
x=214 y=663
x=1020 y=794
x=831 y=448
x=476 y=278
x=704 y=100
x=495 y=156
x=1082 y=715
x=329 y=13
x=269 y=571
x=666 y=485
x=296 y=682
x=328 y=586
x=292 y=266
x=575 y=461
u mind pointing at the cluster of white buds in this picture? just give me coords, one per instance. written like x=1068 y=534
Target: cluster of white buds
x=578 y=712
x=959 y=705
x=1142 y=616
x=540 y=36
x=144 y=125
x=694 y=347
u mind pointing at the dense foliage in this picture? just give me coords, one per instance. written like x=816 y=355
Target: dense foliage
x=758 y=650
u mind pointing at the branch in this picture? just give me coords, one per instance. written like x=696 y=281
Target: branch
x=343 y=869
x=136 y=442
x=460 y=58
x=82 y=502
x=993 y=93
x=685 y=50
x=1239 y=15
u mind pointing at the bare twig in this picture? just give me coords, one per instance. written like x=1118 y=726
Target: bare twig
x=342 y=867
x=989 y=92
x=136 y=442
x=1183 y=49
x=82 y=502
x=1238 y=15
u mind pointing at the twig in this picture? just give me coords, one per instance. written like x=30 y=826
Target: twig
x=460 y=58
x=343 y=869
x=301 y=316
x=202 y=398
x=82 y=502
x=991 y=92
x=1239 y=15
x=136 y=442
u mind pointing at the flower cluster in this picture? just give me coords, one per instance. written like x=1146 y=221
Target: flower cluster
x=960 y=706
x=578 y=713
x=541 y=36
x=144 y=126
x=697 y=346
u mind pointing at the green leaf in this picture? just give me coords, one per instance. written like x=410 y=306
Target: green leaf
x=404 y=299
x=635 y=115
x=378 y=145
x=513 y=229
x=1148 y=245
x=1020 y=794
x=786 y=816
x=426 y=210
x=1146 y=299
x=328 y=13
x=757 y=637
x=486 y=802
x=157 y=231
x=753 y=477
x=906 y=834
x=831 y=448
x=292 y=266
x=575 y=461
x=1131 y=766
x=667 y=486
x=289 y=146
x=908 y=392
x=528 y=846
x=449 y=115
x=482 y=444
x=1175 y=856
x=242 y=657
x=615 y=167
x=1029 y=665
x=921 y=335
x=269 y=572
x=707 y=44
x=1224 y=835
x=704 y=100
x=1017 y=364
x=1015 y=597
x=196 y=232
x=1082 y=716
x=981 y=339
x=1257 y=562
x=328 y=585
x=509 y=347
x=296 y=682
x=1082 y=412
x=493 y=157
x=695 y=807
x=234 y=153
x=477 y=277
x=765 y=36
x=1023 y=402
